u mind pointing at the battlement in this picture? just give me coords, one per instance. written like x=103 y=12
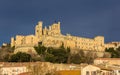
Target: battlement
x=51 y=37
x=54 y=29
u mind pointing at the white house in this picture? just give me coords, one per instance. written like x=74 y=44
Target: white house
x=89 y=70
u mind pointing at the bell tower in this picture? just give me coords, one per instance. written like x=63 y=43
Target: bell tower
x=38 y=30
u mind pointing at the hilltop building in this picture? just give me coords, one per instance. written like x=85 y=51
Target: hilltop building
x=114 y=45
x=51 y=37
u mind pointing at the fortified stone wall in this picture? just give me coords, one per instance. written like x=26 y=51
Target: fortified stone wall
x=52 y=37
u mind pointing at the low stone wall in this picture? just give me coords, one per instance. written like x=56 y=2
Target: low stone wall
x=98 y=53
x=27 y=49
x=43 y=68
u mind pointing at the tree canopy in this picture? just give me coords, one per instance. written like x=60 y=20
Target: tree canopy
x=115 y=53
x=54 y=55
x=20 y=57
x=63 y=55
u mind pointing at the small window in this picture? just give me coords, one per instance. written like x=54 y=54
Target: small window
x=87 y=73
x=94 y=73
x=119 y=71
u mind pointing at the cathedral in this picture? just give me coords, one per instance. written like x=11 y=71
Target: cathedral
x=52 y=37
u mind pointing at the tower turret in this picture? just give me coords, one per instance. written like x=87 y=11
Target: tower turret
x=45 y=31
x=12 y=42
x=38 y=30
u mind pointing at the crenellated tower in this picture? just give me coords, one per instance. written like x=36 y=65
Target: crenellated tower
x=54 y=29
x=38 y=30
x=45 y=31
x=12 y=42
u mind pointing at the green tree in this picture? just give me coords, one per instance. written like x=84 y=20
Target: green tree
x=5 y=52
x=6 y=57
x=57 y=55
x=77 y=58
x=89 y=57
x=118 y=52
x=50 y=57
x=20 y=57
x=115 y=53
x=82 y=57
x=40 y=49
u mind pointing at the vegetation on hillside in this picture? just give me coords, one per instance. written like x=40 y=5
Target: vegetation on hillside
x=63 y=55
x=20 y=57
x=6 y=52
x=54 y=55
x=7 y=55
x=115 y=53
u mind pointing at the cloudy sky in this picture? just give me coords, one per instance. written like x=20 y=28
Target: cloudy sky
x=85 y=18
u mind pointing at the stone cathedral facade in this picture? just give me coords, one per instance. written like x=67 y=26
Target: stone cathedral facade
x=51 y=37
